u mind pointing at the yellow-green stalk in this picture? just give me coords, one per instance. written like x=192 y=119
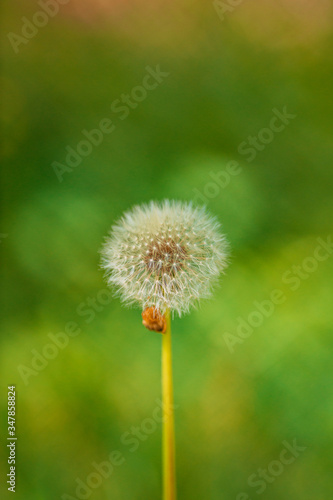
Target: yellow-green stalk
x=168 y=449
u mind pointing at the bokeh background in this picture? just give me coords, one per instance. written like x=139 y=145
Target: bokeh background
x=229 y=67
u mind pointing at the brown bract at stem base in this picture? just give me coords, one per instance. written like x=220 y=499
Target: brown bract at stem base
x=154 y=320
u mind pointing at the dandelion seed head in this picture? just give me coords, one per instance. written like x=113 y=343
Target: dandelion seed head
x=179 y=260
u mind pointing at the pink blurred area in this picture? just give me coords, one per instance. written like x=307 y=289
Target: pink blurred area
x=186 y=23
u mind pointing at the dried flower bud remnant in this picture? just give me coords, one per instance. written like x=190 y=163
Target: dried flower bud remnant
x=166 y=255
x=154 y=320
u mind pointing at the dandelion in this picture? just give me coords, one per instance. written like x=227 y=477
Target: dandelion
x=165 y=257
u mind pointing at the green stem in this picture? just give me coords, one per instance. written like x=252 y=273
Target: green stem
x=169 y=476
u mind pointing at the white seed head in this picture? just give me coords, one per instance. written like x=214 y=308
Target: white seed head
x=177 y=262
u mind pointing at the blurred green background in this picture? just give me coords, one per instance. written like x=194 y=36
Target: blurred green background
x=229 y=67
